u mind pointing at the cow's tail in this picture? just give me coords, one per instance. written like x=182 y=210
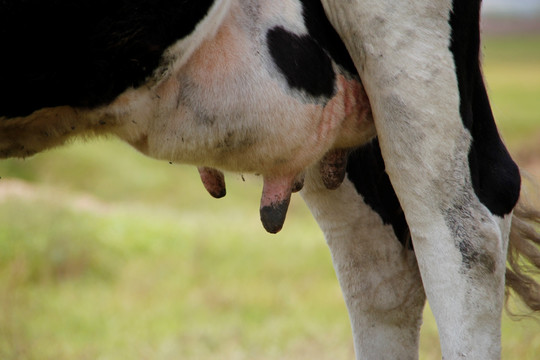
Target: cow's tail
x=523 y=262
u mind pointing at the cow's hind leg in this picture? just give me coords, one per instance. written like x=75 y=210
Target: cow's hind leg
x=378 y=275
x=401 y=50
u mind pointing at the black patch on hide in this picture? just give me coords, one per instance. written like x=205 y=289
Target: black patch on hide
x=495 y=176
x=366 y=170
x=84 y=53
x=320 y=29
x=303 y=63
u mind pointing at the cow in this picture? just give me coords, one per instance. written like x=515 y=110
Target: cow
x=375 y=109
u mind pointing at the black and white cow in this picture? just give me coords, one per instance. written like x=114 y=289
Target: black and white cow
x=269 y=87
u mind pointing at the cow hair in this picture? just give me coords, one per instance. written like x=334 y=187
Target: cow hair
x=523 y=259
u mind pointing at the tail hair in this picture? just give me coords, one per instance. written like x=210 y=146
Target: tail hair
x=523 y=260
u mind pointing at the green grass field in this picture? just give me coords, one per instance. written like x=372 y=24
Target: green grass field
x=105 y=254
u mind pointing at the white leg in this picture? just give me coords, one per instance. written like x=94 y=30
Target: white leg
x=401 y=49
x=378 y=276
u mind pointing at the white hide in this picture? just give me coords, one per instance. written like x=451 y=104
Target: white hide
x=401 y=51
x=379 y=277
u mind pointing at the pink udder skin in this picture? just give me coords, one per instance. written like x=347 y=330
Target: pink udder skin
x=213 y=181
x=349 y=112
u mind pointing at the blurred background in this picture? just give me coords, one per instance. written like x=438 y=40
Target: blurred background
x=106 y=254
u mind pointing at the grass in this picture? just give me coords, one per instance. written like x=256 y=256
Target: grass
x=124 y=257
x=512 y=70
x=131 y=280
